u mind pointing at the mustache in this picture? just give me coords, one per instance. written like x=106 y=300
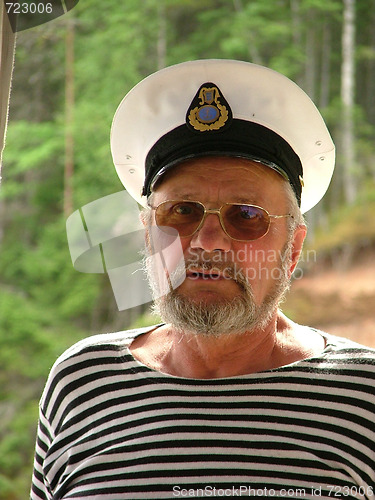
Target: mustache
x=228 y=269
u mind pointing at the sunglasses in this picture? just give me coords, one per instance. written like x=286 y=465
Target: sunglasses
x=239 y=221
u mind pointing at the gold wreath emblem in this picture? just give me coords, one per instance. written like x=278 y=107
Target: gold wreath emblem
x=209 y=100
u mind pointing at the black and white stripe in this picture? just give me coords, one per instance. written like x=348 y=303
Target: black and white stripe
x=112 y=428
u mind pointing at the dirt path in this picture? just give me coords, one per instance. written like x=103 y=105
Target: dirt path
x=341 y=302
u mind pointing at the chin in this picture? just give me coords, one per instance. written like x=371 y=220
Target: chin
x=207 y=297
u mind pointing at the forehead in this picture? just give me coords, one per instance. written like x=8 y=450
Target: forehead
x=233 y=177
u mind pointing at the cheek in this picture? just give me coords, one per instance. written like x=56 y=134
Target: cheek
x=258 y=262
x=166 y=255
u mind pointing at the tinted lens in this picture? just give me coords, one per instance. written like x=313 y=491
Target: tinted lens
x=245 y=222
x=184 y=216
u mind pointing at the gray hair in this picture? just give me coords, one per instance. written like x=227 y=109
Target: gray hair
x=294 y=209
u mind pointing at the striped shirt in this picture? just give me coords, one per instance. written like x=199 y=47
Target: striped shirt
x=112 y=428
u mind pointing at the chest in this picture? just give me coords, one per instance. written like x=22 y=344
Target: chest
x=152 y=437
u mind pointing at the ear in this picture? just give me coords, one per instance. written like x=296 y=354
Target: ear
x=145 y=218
x=298 y=239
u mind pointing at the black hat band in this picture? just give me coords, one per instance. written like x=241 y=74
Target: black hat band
x=242 y=139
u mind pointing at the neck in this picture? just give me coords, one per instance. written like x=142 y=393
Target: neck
x=198 y=356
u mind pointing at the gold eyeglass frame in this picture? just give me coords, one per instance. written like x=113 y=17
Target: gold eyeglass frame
x=217 y=211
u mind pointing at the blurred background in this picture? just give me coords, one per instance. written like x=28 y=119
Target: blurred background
x=70 y=75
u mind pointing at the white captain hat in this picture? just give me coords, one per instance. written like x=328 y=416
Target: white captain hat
x=221 y=108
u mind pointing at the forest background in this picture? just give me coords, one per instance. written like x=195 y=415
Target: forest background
x=70 y=75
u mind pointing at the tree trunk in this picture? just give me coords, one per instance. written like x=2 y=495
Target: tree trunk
x=325 y=66
x=296 y=22
x=253 y=51
x=7 y=42
x=310 y=64
x=347 y=97
x=162 y=35
x=69 y=118
x=370 y=84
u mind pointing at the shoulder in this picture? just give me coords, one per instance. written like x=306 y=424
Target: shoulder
x=348 y=348
x=346 y=358
x=336 y=348
x=116 y=342
x=88 y=362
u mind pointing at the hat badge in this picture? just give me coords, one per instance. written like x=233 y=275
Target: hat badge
x=208 y=110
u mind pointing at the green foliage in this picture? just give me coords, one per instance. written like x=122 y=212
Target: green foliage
x=23 y=339
x=34 y=150
x=16 y=440
x=31 y=338
x=146 y=319
x=348 y=226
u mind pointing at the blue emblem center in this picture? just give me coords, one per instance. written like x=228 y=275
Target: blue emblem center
x=208 y=114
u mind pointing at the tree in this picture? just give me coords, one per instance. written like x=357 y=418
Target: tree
x=6 y=66
x=69 y=116
x=347 y=96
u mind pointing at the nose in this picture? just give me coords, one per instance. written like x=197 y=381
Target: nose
x=211 y=235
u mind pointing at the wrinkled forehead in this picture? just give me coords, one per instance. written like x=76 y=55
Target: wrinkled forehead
x=237 y=171
x=221 y=178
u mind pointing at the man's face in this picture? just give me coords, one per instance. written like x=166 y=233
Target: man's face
x=222 y=272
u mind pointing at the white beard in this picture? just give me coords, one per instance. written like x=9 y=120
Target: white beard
x=235 y=316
